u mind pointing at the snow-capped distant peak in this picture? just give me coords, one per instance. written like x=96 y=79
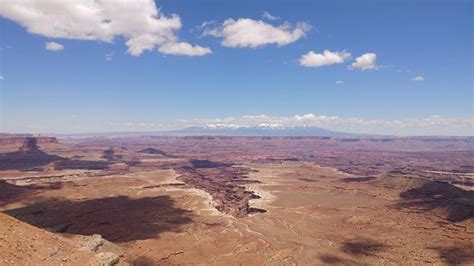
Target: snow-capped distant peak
x=223 y=126
x=271 y=126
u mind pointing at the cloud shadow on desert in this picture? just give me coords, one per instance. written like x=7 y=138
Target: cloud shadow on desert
x=363 y=247
x=456 y=255
x=357 y=248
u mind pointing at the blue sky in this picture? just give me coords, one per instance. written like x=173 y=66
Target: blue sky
x=76 y=89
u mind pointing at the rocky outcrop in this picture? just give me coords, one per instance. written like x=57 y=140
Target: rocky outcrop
x=107 y=258
x=92 y=243
x=29 y=145
x=154 y=151
x=110 y=155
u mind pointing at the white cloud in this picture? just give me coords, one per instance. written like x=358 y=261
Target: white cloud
x=431 y=125
x=207 y=24
x=269 y=16
x=312 y=59
x=365 y=62
x=245 y=32
x=139 y=22
x=2 y=78
x=305 y=117
x=339 y=82
x=418 y=78
x=183 y=48
x=54 y=46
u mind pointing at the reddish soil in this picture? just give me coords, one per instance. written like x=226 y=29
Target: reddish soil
x=232 y=200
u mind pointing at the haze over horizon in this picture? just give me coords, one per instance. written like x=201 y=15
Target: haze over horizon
x=236 y=132
x=397 y=68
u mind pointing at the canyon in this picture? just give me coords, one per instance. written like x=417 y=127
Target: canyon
x=237 y=200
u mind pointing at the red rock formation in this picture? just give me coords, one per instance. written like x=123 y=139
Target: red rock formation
x=30 y=144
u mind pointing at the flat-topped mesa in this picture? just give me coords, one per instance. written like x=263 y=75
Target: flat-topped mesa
x=14 y=139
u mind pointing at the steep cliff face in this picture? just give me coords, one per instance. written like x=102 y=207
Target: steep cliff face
x=30 y=144
x=13 y=139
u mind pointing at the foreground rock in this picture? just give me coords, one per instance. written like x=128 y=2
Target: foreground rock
x=108 y=258
x=24 y=244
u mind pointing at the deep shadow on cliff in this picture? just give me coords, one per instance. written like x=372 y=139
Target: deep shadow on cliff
x=117 y=219
x=454 y=203
x=28 y=156
x=10 y=193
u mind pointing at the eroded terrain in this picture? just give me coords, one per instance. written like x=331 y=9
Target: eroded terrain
x=212 y=200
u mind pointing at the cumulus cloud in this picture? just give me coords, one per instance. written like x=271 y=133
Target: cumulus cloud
x=269 y=16
x=431 y=125
x=183 y=48
x=245 y=32
x=54 y=46
x=312 y=59
x=418 y=78
x=305 y=117
x=339 y=82
x=365 y=62
x=139 y=22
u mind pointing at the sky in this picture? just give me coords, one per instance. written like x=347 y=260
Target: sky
x=383 y=67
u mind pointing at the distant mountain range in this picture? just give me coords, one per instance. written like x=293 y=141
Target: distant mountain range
x=231 y=130
x=260 y=131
